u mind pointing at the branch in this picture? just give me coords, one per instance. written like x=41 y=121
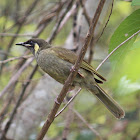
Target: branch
x=117 y=48
x=73 y=73
x=14 y=35
x=107 y=20
x=15 y=58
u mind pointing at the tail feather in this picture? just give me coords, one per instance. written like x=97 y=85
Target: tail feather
x=108 y=101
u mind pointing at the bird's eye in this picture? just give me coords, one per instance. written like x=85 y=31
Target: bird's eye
x=31 y=42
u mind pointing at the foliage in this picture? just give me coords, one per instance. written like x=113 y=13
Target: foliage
x=127 y=28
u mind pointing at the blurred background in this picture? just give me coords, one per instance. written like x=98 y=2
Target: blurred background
x=27 y=94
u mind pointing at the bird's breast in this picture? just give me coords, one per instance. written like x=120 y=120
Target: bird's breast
x=57 y=68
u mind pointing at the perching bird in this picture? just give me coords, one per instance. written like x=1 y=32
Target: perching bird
x=58 y=62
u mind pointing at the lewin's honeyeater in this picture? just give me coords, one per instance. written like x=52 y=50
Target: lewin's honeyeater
x=58 y=62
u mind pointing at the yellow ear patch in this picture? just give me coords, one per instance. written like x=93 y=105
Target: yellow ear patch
x=36 y=47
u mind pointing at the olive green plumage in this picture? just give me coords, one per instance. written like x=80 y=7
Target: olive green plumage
x=58 y=62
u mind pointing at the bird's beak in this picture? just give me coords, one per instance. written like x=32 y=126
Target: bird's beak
x=24 y=44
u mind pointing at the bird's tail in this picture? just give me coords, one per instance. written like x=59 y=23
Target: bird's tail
x=108 y=101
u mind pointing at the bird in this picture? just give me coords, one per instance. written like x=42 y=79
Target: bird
x=58 y=63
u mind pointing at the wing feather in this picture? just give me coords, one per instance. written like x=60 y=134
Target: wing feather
x=72 y=57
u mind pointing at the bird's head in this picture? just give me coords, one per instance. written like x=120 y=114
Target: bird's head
x=35 y=45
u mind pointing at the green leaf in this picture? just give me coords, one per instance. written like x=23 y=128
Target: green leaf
x=127 y=28
x=135 y=2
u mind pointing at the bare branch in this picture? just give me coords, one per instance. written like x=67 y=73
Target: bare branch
x=107 y=21
x=14 y=35
x=15 y=58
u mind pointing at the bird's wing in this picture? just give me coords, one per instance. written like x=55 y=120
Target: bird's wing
x=88 y=67
x=72 y=57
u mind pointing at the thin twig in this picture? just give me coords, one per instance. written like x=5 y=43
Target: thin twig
x=107 y=20
x=15 y=58
x=73 y=73
x=91 y=52
x=86 y=123
x=117 y=48
x=73 y=97
x=14 y=35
